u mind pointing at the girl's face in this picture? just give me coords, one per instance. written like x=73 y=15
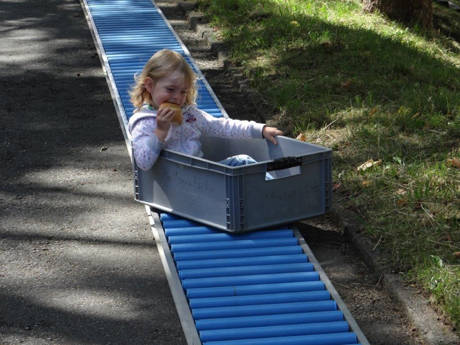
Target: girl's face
x=171 y=88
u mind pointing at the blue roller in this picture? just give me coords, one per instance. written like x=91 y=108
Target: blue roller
x=259 y=288
x=245 y=270
x=231 y=262
x=317 y=339
x=249 y=279
x=287 y=297
x=237 y=244
x=164 y=217
x=263 y=309
x=222 y=236
x=275 y=331
x=190 y=231
x=178 y=223
x=247 y=252
x=268 y=320
x=235 y=290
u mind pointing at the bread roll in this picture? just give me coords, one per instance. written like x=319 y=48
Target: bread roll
x=177 y=111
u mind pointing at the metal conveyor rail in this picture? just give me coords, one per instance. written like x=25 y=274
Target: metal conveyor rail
x=263 y=287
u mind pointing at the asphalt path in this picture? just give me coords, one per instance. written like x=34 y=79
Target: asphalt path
x=77 y=261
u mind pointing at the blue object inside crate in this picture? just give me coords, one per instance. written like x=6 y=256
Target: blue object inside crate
x=239 y=199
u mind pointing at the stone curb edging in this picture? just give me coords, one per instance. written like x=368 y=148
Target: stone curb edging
x=425 y=320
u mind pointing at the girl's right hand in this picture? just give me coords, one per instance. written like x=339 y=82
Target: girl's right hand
x=164 y=117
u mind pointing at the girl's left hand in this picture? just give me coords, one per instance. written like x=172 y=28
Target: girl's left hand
x=270 y=133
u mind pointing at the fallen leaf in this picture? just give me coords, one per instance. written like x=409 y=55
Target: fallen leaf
x=346 y=84
x=373 y=111
x=301 y=137
x=454 y=162
x=401 y=202
x=366 y=183
x=336 y=186
x=401 y=191
x=368 y=164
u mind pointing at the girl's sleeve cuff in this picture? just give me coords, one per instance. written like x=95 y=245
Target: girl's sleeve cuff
x=257 y=129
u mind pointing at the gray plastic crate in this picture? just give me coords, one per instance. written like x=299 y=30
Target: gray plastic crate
x=239 y=199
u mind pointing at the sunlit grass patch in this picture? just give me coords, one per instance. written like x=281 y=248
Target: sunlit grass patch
x=442 y=281
x=376 y=92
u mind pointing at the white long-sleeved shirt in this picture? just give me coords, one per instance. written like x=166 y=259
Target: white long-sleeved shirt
x=184 y=138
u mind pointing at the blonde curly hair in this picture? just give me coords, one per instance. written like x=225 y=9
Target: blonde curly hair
x=161 y=64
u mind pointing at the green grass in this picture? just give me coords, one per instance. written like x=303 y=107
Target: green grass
x=374 y=89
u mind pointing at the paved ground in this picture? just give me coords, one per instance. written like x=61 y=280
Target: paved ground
x=78 y=264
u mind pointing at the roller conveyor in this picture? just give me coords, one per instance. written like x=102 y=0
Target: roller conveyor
x=263 y=287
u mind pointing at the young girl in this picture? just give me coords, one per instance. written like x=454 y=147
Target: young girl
x=167 y=77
